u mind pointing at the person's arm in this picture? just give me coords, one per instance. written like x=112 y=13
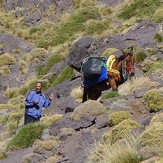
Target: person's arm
x=48 y=101
x=29 y=102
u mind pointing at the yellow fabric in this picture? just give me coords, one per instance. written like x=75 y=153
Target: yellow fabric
x=109 y=65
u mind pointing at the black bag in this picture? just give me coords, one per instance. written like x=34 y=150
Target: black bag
x=92 y=67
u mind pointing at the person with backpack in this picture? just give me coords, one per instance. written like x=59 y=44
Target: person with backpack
x=34 y=102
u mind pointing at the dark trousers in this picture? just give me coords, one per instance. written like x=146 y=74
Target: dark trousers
x=30 y=119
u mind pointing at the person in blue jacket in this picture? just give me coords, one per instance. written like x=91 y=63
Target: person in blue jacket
x=34 y=102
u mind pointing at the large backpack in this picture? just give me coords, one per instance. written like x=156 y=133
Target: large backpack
x=92 y=67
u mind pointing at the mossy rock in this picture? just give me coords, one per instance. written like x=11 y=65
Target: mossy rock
x=154 y=99
x=26 y=136
x=90 y=107
x=152 y=135
x=118 y=116
x=120 y=131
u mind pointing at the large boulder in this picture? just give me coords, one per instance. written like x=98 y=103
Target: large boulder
x=79 y=51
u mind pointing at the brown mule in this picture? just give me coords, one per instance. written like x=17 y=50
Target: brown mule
x=119 y=70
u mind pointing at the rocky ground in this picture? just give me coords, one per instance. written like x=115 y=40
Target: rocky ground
x=77 y=137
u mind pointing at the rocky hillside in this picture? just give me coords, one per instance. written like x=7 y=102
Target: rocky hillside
x=46 y=41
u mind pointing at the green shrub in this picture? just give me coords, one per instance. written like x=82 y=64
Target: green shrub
x=26 y=136
x=67 y=73
x=117 y=133
x=159 y=37
x=140 y=54
x=110 y=94
x=90 y=107
x=155 y=66
x=152 y=135
x=158 y=16
x=140 y=9
x=12 y=125
x=6 y=59
x=33 y=30
x=124 y=151
x=154 y=99
x=3 y=119
x=94 y=27
x=50 y=62
x=118 y=116
x=68 y=29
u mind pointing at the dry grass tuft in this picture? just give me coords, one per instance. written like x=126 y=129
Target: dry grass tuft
x=108 y=51
x=138 y=82
x=77 y=93
x=124 y=151
x=90 y=107
x=48 y=120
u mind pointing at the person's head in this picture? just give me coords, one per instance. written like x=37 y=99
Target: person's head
x=38 y=86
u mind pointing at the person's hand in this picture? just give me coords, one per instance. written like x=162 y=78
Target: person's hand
x=51 y=96
x=36 y=102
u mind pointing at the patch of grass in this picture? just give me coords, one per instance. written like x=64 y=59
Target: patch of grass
x=66 y=73
x=33 y=30
x=3 y=119
x=49 y=119
x=26 y=136
x=124 y=151
x=110 y=94
x=41 y=71
x=137 y=83
x=94 y=27
x=12 y=92
x=116 y=133
x=118 y=116
x=159 y=37
x=140 y=9
x=89 y=107
x=83 y=3
x=6 y=106
x=154 y=99
x=152 y=135
x=12 y=125
x=3 y=155
x=6 y=59
x=140 y=54
x=40 y=146
x=158 y=16
x=155 y=66
x=68 y=29
x=52 y=159
x=77 y=93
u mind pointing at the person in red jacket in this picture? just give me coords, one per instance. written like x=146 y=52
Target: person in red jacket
x=34 y=102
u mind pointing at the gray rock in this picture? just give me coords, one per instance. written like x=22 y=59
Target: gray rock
x=79 y=51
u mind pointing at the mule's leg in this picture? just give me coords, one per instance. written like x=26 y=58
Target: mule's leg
x=93 y=94
x=113 y=84
x=85 y=95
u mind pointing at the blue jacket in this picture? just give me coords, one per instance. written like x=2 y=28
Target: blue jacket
x=32 y=109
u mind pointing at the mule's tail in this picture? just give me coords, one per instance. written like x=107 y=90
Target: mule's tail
x=85 y=96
